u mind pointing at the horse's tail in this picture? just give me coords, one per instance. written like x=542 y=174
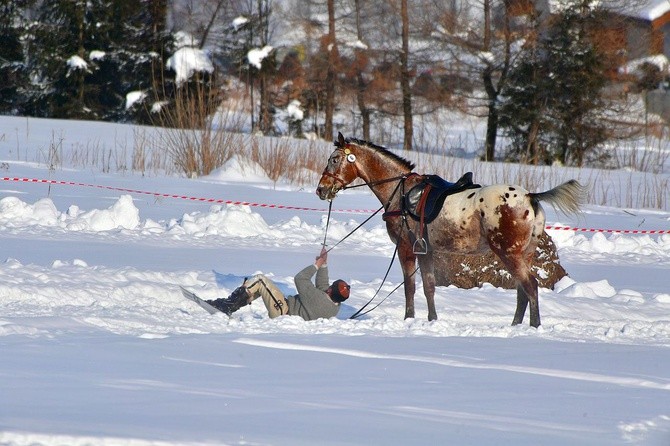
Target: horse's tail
x=567 y=198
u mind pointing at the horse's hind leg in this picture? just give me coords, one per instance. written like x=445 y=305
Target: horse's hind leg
x=521 y=305
x=526 y=290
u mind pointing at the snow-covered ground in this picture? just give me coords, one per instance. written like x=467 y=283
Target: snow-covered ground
x=99 y=347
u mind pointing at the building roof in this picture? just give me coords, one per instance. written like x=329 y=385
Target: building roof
x=646 y=9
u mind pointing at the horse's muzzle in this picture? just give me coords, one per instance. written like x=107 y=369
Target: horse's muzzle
x=326 y=192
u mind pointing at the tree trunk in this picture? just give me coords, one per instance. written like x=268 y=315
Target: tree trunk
x=264 y=117
x=360 y=81
x=405 y=78
x=533 y=148
x=491 y=131
x=491 y=93
x=330 y=74
x=265 y=121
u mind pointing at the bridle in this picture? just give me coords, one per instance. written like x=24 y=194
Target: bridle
x=336 y=178
x=351 y=158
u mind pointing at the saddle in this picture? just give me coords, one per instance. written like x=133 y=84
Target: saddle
x=424 y=201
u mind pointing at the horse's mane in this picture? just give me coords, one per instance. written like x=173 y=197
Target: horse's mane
x=384 y=151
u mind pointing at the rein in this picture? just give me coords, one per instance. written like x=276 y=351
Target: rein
x=402 y=179
x=325 y=235
x=355 y=229
x=360 y=313
x=374 y=183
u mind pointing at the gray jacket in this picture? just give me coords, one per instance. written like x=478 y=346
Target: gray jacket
x=312 y=302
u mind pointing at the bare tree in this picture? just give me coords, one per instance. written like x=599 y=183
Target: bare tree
x=331 y=75
x=478 y=38
x=359 y=65
x=405 y=78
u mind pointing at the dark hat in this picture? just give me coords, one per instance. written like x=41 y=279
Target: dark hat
x=339 y=291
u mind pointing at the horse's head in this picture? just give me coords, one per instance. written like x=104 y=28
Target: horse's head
x=340 y=170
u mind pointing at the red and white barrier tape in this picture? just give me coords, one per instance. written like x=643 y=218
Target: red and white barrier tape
x=279 y=206
x=181 y=197
x=609 y=231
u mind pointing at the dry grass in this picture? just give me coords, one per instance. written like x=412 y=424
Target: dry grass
x=620 y=188
x=283 y=158
x=300 y=162
x=192 y=137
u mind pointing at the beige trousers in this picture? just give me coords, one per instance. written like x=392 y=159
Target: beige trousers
x=274 y=300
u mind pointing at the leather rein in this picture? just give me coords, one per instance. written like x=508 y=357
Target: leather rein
x=401 y=181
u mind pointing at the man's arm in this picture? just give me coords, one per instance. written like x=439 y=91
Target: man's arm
x=321 y=264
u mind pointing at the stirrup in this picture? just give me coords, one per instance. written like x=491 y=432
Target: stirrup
x=420 y=246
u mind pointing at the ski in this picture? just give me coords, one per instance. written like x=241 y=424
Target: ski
x=192 y=297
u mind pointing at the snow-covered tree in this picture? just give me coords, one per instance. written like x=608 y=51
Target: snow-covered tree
x=85 y=56
x=524 y=100
x=60 y=40
x=139 y=46
x=13 y=22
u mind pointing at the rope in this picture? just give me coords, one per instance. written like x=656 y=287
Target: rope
x=609 y=231
x=181 y=197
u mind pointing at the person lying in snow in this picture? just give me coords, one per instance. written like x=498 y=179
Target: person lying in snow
x=313 y=301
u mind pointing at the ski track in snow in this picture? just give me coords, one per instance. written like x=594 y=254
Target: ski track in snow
x=553 y=373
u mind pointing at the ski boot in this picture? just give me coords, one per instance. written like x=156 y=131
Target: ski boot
x=238 y=299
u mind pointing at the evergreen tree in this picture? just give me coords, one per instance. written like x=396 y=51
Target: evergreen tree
x=57 y=60
x=142 y=44
x=85 y=56
x=524 y=101
x=552 y=104
x=12 y=68
x=254 y=33
x=576 y=70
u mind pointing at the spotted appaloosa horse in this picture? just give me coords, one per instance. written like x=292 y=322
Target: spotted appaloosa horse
x=505 y=218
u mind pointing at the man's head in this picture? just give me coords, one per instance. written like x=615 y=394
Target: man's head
x=339 y=291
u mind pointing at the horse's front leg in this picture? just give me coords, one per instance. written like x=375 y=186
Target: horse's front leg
x=427 y=265
x=407 y=263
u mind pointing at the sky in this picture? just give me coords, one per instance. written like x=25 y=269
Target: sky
x=99 y=346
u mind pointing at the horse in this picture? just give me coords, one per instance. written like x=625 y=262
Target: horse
x=504 y=218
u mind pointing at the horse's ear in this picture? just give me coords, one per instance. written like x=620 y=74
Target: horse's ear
x=340 y=140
